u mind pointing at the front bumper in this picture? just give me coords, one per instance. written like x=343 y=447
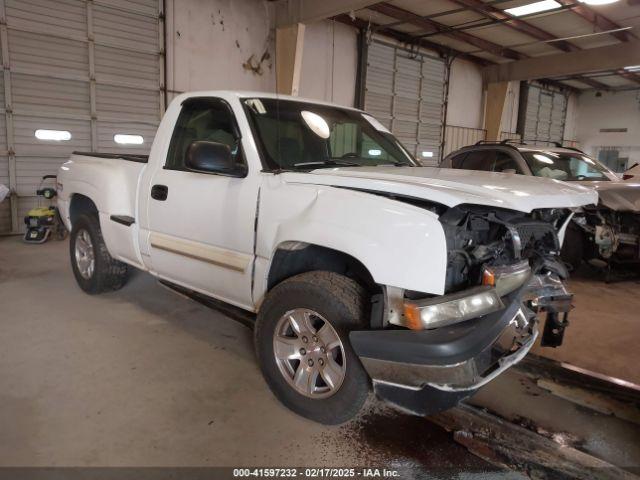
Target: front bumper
x=426 y=371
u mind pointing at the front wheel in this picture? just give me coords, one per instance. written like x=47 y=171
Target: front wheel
x=302 y=344
x=95 y=270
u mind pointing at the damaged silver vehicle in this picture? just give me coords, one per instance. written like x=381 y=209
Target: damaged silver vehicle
x=606 y=235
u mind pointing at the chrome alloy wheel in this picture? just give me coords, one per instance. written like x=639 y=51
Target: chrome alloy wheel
x=309 y=353
x=85 y=258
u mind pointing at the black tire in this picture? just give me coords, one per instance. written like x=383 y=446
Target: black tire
x=343 y=303
x=108 y=274
x=573 y=248
x=60 y=231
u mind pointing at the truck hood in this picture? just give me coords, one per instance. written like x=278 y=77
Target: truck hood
x=453 y=187
x=620 y=196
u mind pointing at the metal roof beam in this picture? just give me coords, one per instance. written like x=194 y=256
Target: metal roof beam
x=432 y=26
x=598 y=20
x=290 y=12
x=610 y=57
x=521 y=26
x=516 y=24
x=408 y=39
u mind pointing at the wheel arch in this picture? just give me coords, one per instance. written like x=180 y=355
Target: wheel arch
x=80 y=204
x=293 y=258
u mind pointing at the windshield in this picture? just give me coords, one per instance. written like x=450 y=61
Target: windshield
x=304 y=136
x=565 y=166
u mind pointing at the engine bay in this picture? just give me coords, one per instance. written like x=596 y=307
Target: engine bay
x=478 y=237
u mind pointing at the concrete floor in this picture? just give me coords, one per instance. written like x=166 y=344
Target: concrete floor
x=143 y=377
x=604 y=327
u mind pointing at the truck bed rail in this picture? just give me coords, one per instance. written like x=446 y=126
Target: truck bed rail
x=117 y=156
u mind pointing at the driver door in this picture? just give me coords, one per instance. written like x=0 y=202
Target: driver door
x=201 y=225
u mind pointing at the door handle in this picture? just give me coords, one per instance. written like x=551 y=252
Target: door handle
x=159 y=192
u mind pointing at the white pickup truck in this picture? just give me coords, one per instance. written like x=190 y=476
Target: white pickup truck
x=363 y=268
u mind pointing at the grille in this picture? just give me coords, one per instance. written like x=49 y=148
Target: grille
x=537 y=236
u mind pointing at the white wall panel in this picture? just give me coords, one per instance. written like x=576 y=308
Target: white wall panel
x=4 y=170
x=465 y=95
x=29 y=172
x=107 y=131
x=115 y=102
x=67 y=17
x=125 y=29
x=458 y=137
x=115 y=65
x=329 y=62
x=92 y=68
x=597 y=115
x=41 y=95
x=544 y=117
x=405 y=91
x=27 y=144
x=48 y=55
x=211 y=45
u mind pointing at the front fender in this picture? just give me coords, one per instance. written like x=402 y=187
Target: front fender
x=400 y=244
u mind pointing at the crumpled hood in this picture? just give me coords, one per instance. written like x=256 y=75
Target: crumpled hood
x=453 y=187
x=619 y=196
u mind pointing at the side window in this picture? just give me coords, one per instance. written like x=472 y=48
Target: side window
x=505 y=163
x=207 y=119
x=458 y=160
x=480 y=160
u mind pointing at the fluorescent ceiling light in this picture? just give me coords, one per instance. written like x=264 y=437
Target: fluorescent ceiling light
x=124 y=139
x=374 y=152
x=56 y=135
x=535 y=7
x=597 y=2
x=427 y=154
x=633 y=68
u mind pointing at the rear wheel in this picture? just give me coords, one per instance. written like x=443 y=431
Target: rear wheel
x=302 y=345
x=95 y=270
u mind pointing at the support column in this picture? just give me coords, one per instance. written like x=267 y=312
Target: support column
x=289 y=45
x=496 y=97
x=11 y=153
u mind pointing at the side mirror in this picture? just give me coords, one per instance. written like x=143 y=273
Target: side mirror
x=212 y=157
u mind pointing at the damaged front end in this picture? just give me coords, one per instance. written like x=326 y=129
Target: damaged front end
x=604 y=237
x=503 y=272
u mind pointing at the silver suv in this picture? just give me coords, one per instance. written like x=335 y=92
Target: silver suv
x=607 y=234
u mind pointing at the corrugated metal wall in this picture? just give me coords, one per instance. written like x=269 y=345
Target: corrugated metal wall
x=544 y=115
x=92 y=68
x=458 y=137
x=405 y=91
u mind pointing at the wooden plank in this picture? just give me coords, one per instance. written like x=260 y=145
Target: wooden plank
x=289 y=45
x=506 y=444
x=609 y=57
x=496 y=96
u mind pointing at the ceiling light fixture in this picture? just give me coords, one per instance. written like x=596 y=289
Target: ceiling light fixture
x=535 y=7
x=597 y=2
x=55 y=135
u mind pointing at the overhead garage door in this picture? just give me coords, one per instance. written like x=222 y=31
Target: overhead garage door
x=405 y=91
x=544 y=114
x=76 y=74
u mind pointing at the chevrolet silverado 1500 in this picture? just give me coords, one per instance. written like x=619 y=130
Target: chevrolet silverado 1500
x=363 y=268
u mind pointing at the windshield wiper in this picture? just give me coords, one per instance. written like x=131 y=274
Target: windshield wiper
x=330 y=163
x=394 y=164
